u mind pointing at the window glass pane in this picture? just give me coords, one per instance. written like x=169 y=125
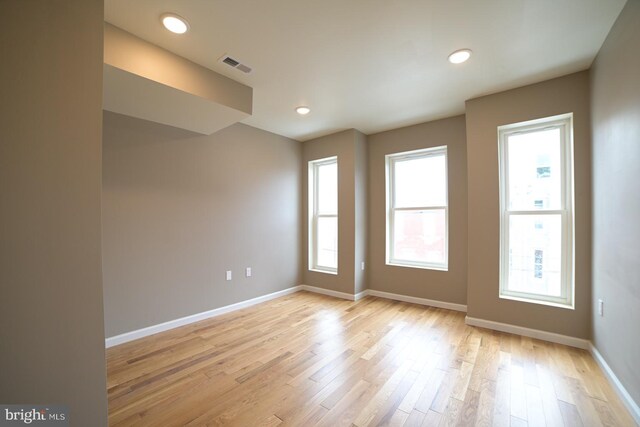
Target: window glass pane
x=419 y=236
x=327 y=255
x=420 y=182
x=534 y=168
x=535 y=254
x=328 y=189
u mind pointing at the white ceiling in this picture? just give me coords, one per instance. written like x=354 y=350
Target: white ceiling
x=374 y=65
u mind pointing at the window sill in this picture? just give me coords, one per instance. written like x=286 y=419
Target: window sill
x=422 y=267
x=315 y=270
x=537 y=301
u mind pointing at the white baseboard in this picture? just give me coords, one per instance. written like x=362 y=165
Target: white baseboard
x=161 y=327
x=330 y=293
x=416 y=300
x=622 y=392
x=527 y=332
x=362 y=294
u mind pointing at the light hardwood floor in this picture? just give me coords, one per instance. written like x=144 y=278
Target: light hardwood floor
x=308 y=359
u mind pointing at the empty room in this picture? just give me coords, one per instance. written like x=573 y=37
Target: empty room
x=320 y=213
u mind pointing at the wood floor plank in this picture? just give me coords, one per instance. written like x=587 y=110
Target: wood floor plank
x=517 y=392
x=415 y=419
x=343 y=413
x=469 y=410
x=535 y=408
x=307 y=359
x=518 y=422
x=550 y=403
x=461 y=384
x=397 y=420
x=441 y=399
x=270 y=421
x=584 y=403
x=502 y=408
x=486 y=404
x=387 y=410
x=570 y=414
x=451 y=412
x=426 y=371
x=431 y=389
x=432 y=419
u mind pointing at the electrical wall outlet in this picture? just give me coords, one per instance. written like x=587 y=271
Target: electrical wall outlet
x=362 y=266
x=228 y=274
x=601 y=307
x=248 y=272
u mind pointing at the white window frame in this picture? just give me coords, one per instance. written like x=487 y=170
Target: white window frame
x=563 y=122
x=314 y=214
x=390 y=160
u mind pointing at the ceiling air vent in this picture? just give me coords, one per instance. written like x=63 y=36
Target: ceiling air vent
x=226 y=59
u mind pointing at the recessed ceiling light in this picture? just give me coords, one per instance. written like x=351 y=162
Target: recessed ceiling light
x=303 y=111
x=460 y=56
x=174 y=23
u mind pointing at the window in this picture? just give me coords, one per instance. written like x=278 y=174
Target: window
x=417 y=213
x=323 y=215
x=536 y=204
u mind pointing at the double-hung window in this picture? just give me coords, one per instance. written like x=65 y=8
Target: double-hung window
x=417 y=211
x=536 y=203
x=323 y=215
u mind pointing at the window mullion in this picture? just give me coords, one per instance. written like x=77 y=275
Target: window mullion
x=421 y=208
x=536 y=212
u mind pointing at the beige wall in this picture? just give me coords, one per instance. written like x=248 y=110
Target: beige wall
x=346 y=145
x=145 y=81
x=615 y=90
x=562 y=95
x=179 y=209
x=448 y=286
x=126 y=51
x=52 y=335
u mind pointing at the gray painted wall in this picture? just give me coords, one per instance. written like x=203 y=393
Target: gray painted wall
x=179 y=209
x=484 y=115
x=449 y=286
x=615 y=98
x=52 y=334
